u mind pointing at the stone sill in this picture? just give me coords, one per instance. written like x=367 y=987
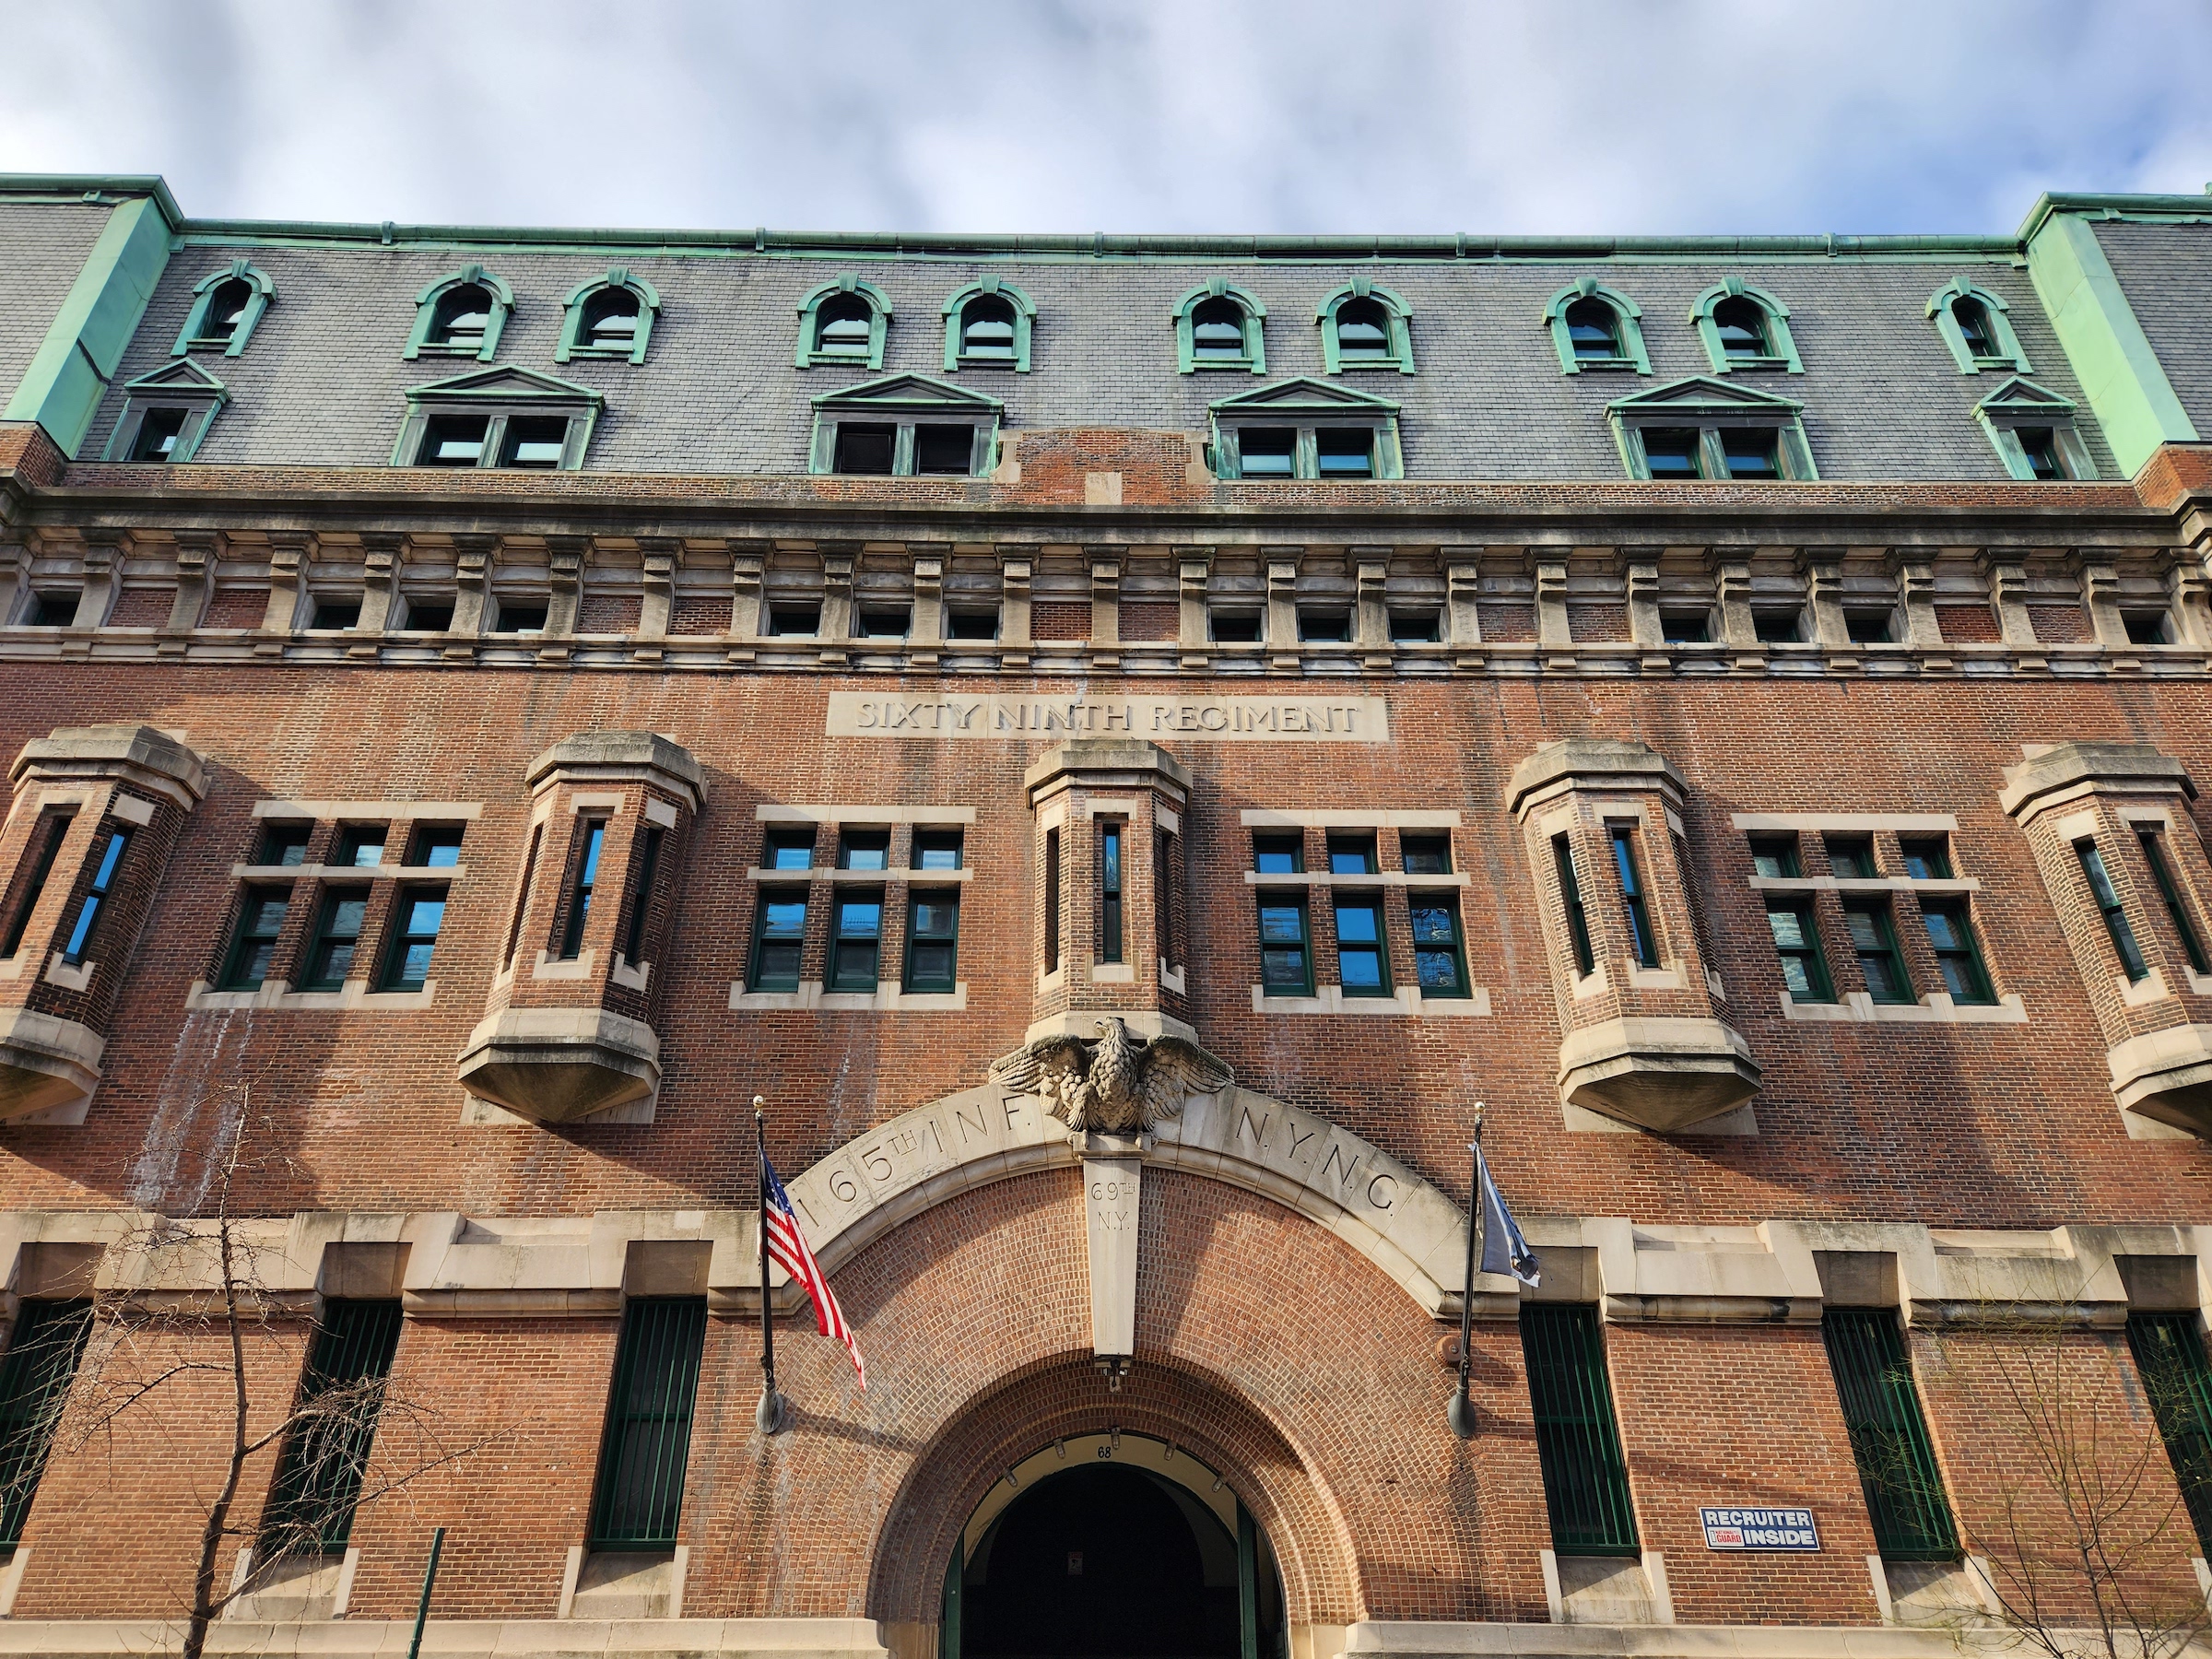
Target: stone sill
x=1406 y=1002
x=887 y=998
x=355 y=997
x=1935 y=1008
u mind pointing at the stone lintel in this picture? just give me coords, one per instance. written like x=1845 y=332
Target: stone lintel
x=2066 y=771
x=1608 y=763
x=555 y=1066
x=621 y=757
x=154 y=760
x=1661 y=1074
x=45 y=1062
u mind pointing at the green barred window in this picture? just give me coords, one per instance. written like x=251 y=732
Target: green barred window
x=1888 y=1436
x=34 y=1381
x=2171 y=1356
x=648 y=1437
x=319 y=1482
x=1585 y=1478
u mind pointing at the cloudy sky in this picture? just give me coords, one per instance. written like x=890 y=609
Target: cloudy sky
x=1352 y=115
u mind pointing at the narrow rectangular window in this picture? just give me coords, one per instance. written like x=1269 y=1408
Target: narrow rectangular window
x=338 y=936
x=1285 y=960
x=318 y=1483
x=34 y=1385
x=96 y=896
x=2108 y=906
x=1440 y=949
x=1110 y=891
x=1578 y=1443
x=1052 y=901
x=2154 y=854
x=1888 y=1436
x=361 y=846
x=1362 y=963
x=580 y=891
x=1957 y=956
x=414 y=924
x=1880 y=962
x=1571 y=898
x=778 y=935
x=2169 y=1357
x=647 y=1442
x=1164 y=921
x=254 y=949
x=44 y=846
x=641 y=904
x=856 y=942
x=522 y=894
x=1426 y=854
x=933 y=941
x=1345 y=451
x=1634 y=904
x=1797 y=943
x=1671 y=453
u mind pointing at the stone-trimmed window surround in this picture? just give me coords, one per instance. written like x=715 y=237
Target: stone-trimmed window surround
x=181 y=399
x=490 y=404
x=1628 y=328
x=260 y=292
x=1398 y=329
x=1782 y=348
x=812 y=353
x=575 y=317
x=1942 y=311
x=427 y=316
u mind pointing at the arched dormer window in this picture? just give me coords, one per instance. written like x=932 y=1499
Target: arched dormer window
x=1974 y=324
x=226 y=307
x=610 y=316
x=461 y=316
x=1594 y=327
x=843 y=323
x=1743 y=327
x=1363 y=326
x=987 y=326
x=1218 y=326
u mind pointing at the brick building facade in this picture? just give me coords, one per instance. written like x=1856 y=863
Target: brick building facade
x=488 y=704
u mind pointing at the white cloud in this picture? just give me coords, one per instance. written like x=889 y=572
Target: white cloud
x=1600 y=116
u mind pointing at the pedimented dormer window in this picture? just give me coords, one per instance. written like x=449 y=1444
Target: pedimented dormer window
x=505 y=418
x=1705 y=429
x=227 y=306
x=905 y=426
x=461 y=316
x=166 y=414
x=2031 y=428
x=610 y=316
x=1306 y=429
x=1977 y=328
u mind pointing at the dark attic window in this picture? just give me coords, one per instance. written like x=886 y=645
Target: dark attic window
x=842 y=327
x=1671 y=453
x=1218 y=330
x=158 y=435
x=1742 y=327
x=866 y=450
x=1345 y=453
x=225 y=309
x=2040 y=444
x=1973 y=318
x=461 y=317
x=454 y=440
x=1362 y=331
x=1267 y=452
x=610 y=320
x=988 y=330
x=1593 y=330
x=535 y=442
x=945 y=449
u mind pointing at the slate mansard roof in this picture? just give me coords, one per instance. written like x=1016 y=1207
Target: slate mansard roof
x=322 y=380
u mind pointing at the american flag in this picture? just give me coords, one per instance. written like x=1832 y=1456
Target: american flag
x=787 y=1248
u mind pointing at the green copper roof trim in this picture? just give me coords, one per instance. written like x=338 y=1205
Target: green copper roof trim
x=2112 y=358
x=66 y=379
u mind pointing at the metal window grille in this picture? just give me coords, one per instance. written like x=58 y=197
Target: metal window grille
x=318 y=1483
x=2109 y=907
x=34 y=1381
x=2170 y=1355
x=1888 y=1436
x=2155 y=856
x=1585 y=1478
x=1570 y=896
x=648 y=1436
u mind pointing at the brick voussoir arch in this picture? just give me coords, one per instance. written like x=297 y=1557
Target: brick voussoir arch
x=1391 y=1214
x=1062 y=1397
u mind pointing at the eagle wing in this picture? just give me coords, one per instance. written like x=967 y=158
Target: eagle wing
x=1175 y=1070
x=1050 y=1069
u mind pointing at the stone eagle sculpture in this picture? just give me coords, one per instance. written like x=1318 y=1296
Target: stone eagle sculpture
x=1116 y=1085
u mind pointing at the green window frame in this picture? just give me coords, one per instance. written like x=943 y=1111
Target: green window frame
x=1578 y=1439
x=253 y=947
x=1873 y=941
x=1941 y=311
x=779 y=939
x=1781 y=348
x=1724 y=418
x=955 y=313
x=415 y=922
x=2107 y=899
x=1285 y=946
x=1635 y=899
x=591 y=841
x=1439 y=945
x=42 y=1356
x=1797 y=943
x=420 y=345
x=1114 y=840
x=339 y=922
x=194 y=336
x=1252 y=359
x=1398 y=329
x=318 y=1485
x=933 y=941
x=504 y=417
x=1627 y=323
x=166 y=414
x=855 y=939
x=1890 y=1440
x=1571 y=902
x=845 y=285
x=1362 y=945
x=2170 y=1358
x=2020 y=406
x=575 y=319
x=916 y=416
x=2177 y=910
x=646 y=1445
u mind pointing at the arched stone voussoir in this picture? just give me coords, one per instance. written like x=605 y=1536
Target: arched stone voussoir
x=1252 y=1141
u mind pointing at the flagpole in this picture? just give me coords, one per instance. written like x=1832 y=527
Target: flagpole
x=772 y=1416
x=1460 y=1413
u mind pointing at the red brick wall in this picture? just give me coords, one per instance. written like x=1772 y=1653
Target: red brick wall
x=701 y=615
x=1147 y=620
x=1058 y=619
x=1967 y=624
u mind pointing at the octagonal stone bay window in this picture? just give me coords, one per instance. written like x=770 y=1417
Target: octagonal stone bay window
x=1644 y=1039
x=569 y=1031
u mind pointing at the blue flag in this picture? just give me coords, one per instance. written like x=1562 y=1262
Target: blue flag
x=1503 y=1248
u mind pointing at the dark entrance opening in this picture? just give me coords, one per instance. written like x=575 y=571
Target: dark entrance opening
x=1111 y=1562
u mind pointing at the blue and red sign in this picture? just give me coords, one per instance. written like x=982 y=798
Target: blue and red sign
x=1785 y=1529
